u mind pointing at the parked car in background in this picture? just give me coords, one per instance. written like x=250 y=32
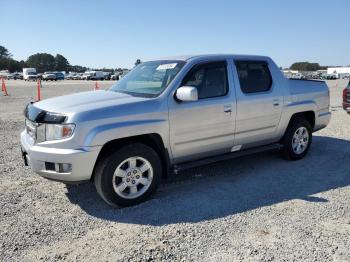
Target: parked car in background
x=71 y=76
x=17 y=75
x=346 y=98
x=77 y=76
x=123 y=73
x=96 y=75
x=107 y=75
x=331 y=76
x=86 y=76
x=171 y=115
x=5 y=74
x=49 y=76
x=92 y=75
x=30 y=74
x=9 y=76
x=59 y=75
x=316 y=76
x=297 y=76
x=115 y=76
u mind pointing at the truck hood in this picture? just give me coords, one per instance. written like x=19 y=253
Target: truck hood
x=86 y=101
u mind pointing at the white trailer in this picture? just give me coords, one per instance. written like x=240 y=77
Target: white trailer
x=93 y=75
x=339 y=72
x=29 y=74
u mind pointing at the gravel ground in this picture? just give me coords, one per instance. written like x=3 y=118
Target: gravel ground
x=258 y=207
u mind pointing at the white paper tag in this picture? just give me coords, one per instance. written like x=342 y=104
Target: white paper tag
x=166 y=66
x=236 y=148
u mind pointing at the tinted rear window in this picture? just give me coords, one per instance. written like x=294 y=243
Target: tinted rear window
x=254 y=76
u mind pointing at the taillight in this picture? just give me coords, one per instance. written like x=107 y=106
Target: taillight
x=345 y=94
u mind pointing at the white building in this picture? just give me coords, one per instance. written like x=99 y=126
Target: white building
x=338 y=70
x=290 y=73
x=322 y=71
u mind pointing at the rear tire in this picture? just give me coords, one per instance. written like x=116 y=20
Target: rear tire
x=129 y=175
x=297 y=139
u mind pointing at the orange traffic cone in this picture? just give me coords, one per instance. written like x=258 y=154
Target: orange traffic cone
x=3 y=87
x=96 y=86
x=38 y=91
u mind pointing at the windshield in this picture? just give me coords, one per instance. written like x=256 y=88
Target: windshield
x=148 y=79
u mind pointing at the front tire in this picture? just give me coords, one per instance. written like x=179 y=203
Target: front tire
x=297 y=139
x=129 y=175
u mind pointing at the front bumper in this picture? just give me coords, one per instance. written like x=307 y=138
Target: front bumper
x=82 y=160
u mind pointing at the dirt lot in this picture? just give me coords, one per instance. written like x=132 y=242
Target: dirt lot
x=259 y=207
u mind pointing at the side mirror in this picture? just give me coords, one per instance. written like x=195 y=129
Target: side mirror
x=187 y=93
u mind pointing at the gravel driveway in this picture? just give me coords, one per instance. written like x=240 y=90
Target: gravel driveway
x=259 y=207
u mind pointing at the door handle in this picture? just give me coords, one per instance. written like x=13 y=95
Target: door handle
x=276 y=103
x=227 y=109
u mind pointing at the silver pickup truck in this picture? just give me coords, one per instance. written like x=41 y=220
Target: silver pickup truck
x=171 y=114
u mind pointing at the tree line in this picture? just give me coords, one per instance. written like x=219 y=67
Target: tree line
x=306 y=66
x=43 y=62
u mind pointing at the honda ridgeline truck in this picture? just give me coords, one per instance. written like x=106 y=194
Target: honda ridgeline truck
x=168 y=115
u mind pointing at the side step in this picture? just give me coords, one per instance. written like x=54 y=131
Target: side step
x=206 y=161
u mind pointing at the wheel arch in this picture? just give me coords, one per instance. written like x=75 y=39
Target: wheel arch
x=152 y=140
x=309 y=116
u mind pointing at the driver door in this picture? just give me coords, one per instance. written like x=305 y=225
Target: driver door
x=204 y=127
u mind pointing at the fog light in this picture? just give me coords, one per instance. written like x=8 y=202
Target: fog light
x=64 y=168
x=50 y=166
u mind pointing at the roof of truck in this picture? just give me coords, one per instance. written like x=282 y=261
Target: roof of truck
x=188 y=57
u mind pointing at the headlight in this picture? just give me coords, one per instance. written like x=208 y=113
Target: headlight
x=49 y=132
x=55 y=132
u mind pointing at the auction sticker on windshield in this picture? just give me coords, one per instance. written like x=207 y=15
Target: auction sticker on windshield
x=166 y=66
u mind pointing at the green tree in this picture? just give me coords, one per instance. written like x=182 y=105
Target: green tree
x=42 y=62
x=305 y=66
x=3 y=63
x=4 y=52
x=13 y=65
x=62 y=63
x=6 y=61
x=77 y=68
x=22 y=64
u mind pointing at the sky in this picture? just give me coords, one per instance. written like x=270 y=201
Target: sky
x=116 y=33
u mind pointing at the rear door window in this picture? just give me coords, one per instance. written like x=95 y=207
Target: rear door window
x=254 y=76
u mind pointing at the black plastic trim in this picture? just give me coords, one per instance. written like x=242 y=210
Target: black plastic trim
x=206 y=161
x=38 y=115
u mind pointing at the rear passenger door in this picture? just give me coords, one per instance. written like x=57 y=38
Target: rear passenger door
x=259 y=103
